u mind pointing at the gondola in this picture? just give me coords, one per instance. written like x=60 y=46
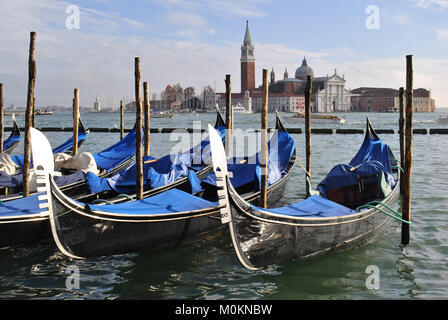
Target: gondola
x=350 y=207
x=11 y=185
x=23 y=221
x=169 y=218
x=64 y=147
x=13 y=139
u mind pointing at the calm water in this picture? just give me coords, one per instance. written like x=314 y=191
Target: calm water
x=209 y=270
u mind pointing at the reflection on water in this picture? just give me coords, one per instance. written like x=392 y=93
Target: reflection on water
x=405 y=270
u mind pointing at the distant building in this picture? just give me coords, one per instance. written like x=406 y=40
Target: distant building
x=422 y=101
x=97 y=105
x=367 y=99
x=287 y=95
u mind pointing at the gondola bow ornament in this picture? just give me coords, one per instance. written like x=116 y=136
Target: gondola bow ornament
x=222 y=180
x=44 y=167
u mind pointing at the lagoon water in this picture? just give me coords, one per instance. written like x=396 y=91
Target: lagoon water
x=210 y=270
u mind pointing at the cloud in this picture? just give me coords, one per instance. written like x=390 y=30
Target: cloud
x=229 y=8
x=439 y=4
x=238 y=8
x=186 y=19
x=442 y=34
x=401 y=18
x=100 y=61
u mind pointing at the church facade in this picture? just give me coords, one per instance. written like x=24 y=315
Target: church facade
x=287 y=94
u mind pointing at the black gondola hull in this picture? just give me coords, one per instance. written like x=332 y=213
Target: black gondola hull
x=263 y=240
x=262 y=237
x=24 y=232
x=89 y=236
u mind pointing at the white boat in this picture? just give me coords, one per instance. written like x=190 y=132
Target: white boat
x=161 y=114
x=317 y=118
x=41 y=112
x=240 y=109
x=443 y=119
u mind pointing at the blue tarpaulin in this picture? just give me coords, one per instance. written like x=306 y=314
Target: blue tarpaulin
x=314 y=206
x=10 y=141
x=170 y=201
x=372 y=158
x=158 y=172
x=118 y=153
x=67 y=145
x=22 y=206
x=16 y=180
x=281 y=147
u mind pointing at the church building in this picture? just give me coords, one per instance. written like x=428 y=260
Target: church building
x=287 y=94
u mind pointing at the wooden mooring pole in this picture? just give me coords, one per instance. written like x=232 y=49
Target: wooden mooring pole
x=405 y=230
x=75 y=120
x=33 y=117
x=28 y=115
x=146 y=109
x=138 y=146
x=2 y=113
x=121 y=120
x=264 y=141
x=401 y=124
x=308 y=90
x=228 y=141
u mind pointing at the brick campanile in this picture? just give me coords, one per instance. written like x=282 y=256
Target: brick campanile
x=247 y=62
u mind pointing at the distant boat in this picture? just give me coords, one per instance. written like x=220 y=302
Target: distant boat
x=443 y=119
x=41 y=112
x=317 y=118
x=162 y=114
x=15 y=113
x=240 y=109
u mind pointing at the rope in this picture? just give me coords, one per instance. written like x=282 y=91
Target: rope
x=398 y=166
x=302 y=166
x=395 y=214
x=125 y=196
x=101 y=200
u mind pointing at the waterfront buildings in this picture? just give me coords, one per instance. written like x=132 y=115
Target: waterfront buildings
x=366 y=99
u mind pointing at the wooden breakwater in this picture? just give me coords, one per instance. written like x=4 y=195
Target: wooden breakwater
x=422 y=131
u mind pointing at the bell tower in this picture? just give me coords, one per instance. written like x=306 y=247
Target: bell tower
x=247 y=62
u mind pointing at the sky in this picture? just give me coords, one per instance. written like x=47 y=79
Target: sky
x=197 y=42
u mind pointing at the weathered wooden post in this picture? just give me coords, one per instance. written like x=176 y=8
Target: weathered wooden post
x=75 y=121
x=28 y=115
x=308 y=90
x=121 y=120
x=146 y=109
x=401 y=124
x=33 y=118
x=138 y=148
x=264 y=142
x=405 y=230
x=2 y=113
x=228 y=141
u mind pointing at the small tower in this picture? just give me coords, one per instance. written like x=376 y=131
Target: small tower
x=247 y=62
x=285 y=75
x=97 y=105
x=272 y=76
